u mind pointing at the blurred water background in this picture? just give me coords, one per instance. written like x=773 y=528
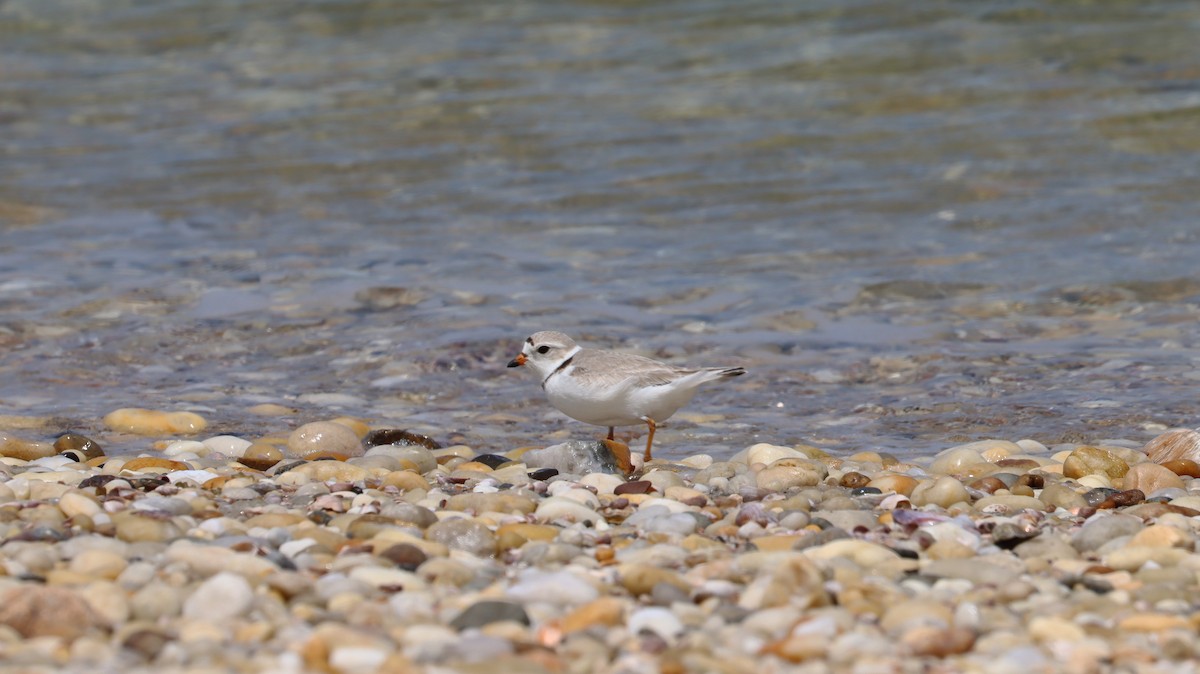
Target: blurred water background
x=915 y=223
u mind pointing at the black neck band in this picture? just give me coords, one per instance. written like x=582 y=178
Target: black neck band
x=558 y=369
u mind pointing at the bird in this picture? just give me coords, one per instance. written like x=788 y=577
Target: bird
x=610 y=388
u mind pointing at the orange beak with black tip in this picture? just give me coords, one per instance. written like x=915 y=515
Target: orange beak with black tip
x=519 y=360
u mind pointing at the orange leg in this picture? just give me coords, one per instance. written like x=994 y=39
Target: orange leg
x=650 y=437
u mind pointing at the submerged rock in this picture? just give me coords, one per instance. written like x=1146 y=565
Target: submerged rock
x=575 y=457
x=154 y=422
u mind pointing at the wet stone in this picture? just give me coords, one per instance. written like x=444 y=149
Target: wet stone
x=399 y=437
x=388 y=298
x=1150 y=477
x=500 y=502
x=260 y=456
x=542 y=474
x=81 y=445
x=575 y=457
x=1095 y=497
x=418 y=516
x=988 y=485
x=26 y=450
x=1175 y=444
x=636 y=487
x=1031 y=480
x=1128 y=497
x=1183 y=467
x=153 y=464
x=154 y=422
x=788 y=473
x=1008 y=535
x=492 y=461
x=96 y=481
x=324 y=439
x=1089 y=460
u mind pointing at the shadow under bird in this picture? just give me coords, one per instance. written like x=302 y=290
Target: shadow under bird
x=608 y=388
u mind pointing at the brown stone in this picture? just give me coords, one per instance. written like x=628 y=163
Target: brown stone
x=261 y=456
x=1088 y=460
x=854 y=480
x=1018 y=465
x=636 y=487
x=405 y=480
x=799 y=647
x=154 y=463
x=988 y=484
x=78 y=445
x=1031 y=480
x=640 y=579
x=900 y=484
x=938 y=642
x=605 y=611
x=1128 y=497
x=153 y=422
x=1178 y=443
x=1151 y=477
x=777 y=542
x=40 y=611
x=1185 y=467
x=26 y=450
x=324 y=439
x=516 y=534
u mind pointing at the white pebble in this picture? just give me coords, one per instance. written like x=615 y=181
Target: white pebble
x=552 y=587
x=197 y=476
x=559 y=508
x=220 y=598
x=657 y=620
x=188 y=447
x=229 y=445
x=357 y=658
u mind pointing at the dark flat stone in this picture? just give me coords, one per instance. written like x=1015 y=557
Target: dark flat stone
x=489 y=611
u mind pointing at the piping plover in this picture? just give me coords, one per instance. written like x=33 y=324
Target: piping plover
x=606 y=388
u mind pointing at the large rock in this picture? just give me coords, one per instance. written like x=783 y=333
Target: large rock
x=576 y=457
x=1088 y=460
x=1175 y=444
x=154 y=422
x=1100 y=529
x=324 y=439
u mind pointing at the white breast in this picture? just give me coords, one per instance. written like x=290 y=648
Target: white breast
x=619 y=404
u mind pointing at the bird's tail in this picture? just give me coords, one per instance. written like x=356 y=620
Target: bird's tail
x=714 y=373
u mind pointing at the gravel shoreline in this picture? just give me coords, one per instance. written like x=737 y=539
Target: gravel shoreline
x=349 y=549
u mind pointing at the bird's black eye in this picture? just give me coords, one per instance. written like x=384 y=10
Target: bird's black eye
x=543 y=349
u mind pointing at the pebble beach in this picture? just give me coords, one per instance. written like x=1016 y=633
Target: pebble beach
x=345 y=548
x=262 y=265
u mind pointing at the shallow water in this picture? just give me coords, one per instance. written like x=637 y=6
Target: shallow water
x=913 y=225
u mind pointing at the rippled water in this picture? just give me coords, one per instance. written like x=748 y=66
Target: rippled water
x=915 y=224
